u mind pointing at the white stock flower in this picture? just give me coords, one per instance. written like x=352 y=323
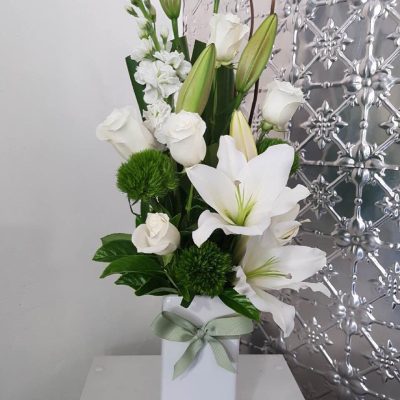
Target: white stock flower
x=144 y=49
x=156 y=236
x=228 y=34
x=183 y=133
x=267 y=266
x=156 y=116
x=125 y=130
x=160 y=79
x=246 y=195
x=176 y=61
x=281 y=102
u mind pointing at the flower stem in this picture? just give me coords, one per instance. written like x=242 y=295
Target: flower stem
x=189 y=201
x=216 y=6
x=272 y=7
x=175 y=30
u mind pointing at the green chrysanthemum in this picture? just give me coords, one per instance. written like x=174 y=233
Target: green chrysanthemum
x=203 y=270
x=147 y=175
x=268 y=142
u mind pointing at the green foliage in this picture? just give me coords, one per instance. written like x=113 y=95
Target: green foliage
x=116 y=236
x=147 y=175
x=204 y=270
x=137 y=88
x=240 y=304
x=141 y=264
x=114 y=250
x=268 y=142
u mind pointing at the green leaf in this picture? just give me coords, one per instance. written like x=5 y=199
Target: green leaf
x=116 y=236
x=197 y=49
x=175 y=220
x=156 y=286
x=137 y=88
x=220 y=106
x=240 y=304
x=143 y=264
x=114 y=250
x=133 y=280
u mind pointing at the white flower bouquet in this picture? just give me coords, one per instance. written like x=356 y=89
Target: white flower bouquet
x=216 y=216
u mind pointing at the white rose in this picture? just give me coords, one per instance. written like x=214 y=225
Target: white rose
x=156 y=236
x=125 y=130
x=281 y=102
x=228 y=34
x=183 y=133
x=160 y=79
x=144 y=49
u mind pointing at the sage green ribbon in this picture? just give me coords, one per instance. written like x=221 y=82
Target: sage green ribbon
x=170 y=326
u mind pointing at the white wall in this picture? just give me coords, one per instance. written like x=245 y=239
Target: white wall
x=61 y=72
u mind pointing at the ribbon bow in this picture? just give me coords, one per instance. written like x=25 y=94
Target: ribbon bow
x=171 y=326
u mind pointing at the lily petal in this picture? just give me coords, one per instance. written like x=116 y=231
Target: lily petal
x=266 y=176
x=288 y=199
x=282 y=313
x=231 y=160
x=208 y=223
x=296 y=262
x=216 y=189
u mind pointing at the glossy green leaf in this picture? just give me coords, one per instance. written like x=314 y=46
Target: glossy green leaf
x=114 y=250
x=143 y=264
x=197 y=50
x=137 y=88
x=133 y=280
x=156 y=286
x=240 y=304
x=116 y=236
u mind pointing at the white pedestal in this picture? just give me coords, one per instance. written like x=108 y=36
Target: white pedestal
x=260 y=377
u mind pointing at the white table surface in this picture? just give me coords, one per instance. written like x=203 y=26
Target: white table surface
x=260 y=377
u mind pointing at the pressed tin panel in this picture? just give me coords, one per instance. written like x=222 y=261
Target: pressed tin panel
x=345 y=55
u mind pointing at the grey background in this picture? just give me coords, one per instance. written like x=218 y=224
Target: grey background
x=62 y=71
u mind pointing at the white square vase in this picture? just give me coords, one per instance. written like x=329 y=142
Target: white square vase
x=204 y=380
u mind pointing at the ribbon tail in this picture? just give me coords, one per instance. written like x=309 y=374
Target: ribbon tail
x=221 y=355
x=188 y=357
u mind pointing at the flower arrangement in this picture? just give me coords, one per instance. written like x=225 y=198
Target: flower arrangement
x=213 y=210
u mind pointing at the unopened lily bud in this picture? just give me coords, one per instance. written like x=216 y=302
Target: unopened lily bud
x=243 y=136
x=256 y=54
x=195 y=92
x=172 y=8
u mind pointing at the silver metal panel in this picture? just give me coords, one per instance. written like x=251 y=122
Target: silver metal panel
x=345 y=57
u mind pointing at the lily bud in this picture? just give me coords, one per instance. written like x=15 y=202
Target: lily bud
x=242 y=135
x=172 y=8
x=196 y=89
x=256 y=54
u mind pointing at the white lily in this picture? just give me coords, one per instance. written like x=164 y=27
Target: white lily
x=244 y=194
x=268 y=266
